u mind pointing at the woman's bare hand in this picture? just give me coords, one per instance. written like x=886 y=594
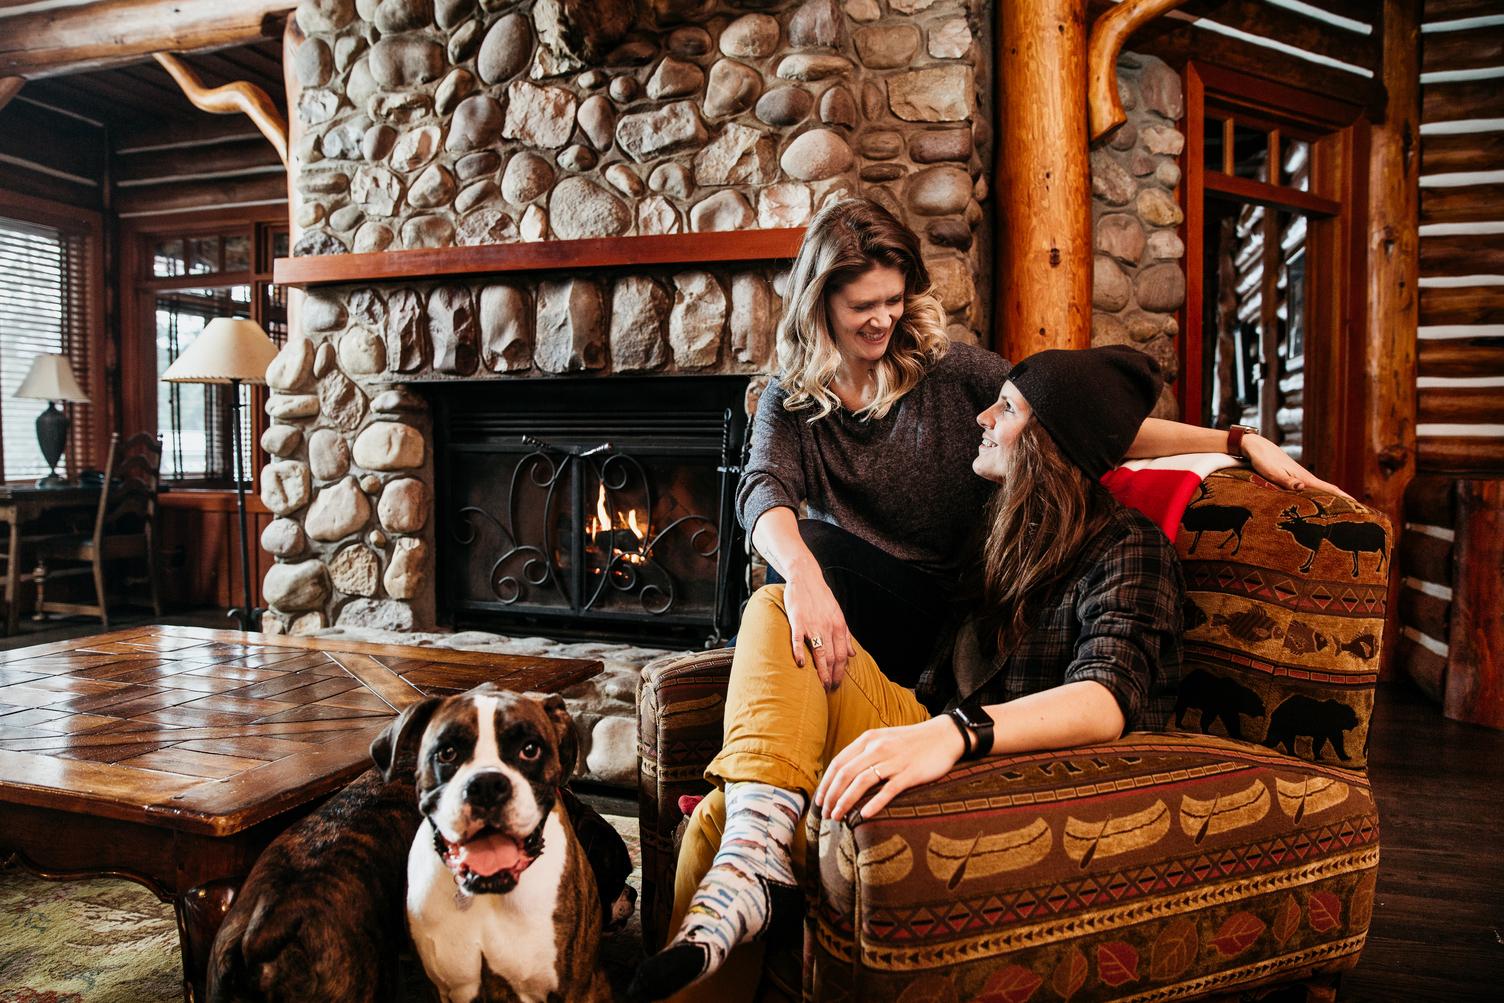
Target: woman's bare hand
x=1275 y=465
x=902 y=757
x=815 y=614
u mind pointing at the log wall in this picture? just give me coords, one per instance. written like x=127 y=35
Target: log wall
x=1461 y=351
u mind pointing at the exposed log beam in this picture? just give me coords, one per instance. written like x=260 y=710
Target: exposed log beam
x=1462 y=405
x=1452 y=10
x=1468 y=151
x=8 y=88
x=1477 y=49
x=1462 y=454
x=92 y=35
x=1447 y=102
x=228 y=99
x=1431 y=501
x=1465 y=254
x=1462 y=204
x=1462 y=357
x=1107 y=37
x=1475 y=656
x=1044 y=204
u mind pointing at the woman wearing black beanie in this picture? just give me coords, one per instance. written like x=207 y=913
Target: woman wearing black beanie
x=1071 y=636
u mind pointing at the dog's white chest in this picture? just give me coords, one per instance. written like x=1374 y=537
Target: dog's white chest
x=513 y=933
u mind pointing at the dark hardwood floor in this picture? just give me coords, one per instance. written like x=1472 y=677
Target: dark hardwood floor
x=1438 y=921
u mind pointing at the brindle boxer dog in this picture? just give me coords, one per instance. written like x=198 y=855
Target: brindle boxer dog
x=320 y=915
x=501 y=902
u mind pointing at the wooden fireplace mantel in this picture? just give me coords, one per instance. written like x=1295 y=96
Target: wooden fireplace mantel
x=541 y=255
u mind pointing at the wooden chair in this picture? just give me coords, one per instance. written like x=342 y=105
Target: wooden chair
x=124 y=527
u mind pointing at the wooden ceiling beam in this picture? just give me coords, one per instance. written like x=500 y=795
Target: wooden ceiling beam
x=92 y=35
x=1108 y=33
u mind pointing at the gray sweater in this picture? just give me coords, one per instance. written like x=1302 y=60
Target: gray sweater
x=902 y=482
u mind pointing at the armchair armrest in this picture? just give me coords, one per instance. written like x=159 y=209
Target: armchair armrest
x=679 y=713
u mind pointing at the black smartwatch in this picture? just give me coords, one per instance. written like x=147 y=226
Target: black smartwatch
x=976 y=728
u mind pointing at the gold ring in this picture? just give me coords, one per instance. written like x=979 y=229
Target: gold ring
x=815 y=642
x=877 y=774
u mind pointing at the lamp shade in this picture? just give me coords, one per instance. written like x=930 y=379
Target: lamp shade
x=51 y=379
x=226 y=350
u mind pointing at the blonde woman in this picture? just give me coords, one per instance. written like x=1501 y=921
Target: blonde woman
x=869 y=425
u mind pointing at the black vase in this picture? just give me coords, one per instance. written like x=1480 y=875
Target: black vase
x=52 y=436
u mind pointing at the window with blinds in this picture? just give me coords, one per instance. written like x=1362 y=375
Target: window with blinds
x=43 y=309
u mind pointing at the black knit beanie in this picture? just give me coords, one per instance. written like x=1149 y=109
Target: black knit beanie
x=1091 y=401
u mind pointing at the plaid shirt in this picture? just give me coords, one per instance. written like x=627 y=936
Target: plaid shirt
x=1117 y=622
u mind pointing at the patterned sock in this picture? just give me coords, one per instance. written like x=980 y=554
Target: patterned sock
x=750 y=884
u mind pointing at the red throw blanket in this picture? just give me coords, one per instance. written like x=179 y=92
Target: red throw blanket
x=1161 y=488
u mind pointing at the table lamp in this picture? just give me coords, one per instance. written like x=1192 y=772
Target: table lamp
x=51 y=379
x=230 y=351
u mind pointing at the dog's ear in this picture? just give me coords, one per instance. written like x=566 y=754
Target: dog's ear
x=564 y=733
x=398 y=743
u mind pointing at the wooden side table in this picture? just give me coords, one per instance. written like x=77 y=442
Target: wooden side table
x=172 y=755
x=22 y=504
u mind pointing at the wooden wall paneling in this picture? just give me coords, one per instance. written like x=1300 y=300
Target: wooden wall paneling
x=1462 y=357
x=1462 y=254
x=1475 y=663
x=1445 y=102
x=1469 y=151
x=1462 y=204
x=186 y=164
x=1462 y=454
x=177 y=196
x=50 y=156
x=1296 y=29
x=199 y=131
x=1462 y=305
x=201 y=544
x=1426 y=557
x=1422 y=612
x=1455 y=10
x=1462 y=404
x=1426 y=668
x=1431 y=501
x=1473 y=49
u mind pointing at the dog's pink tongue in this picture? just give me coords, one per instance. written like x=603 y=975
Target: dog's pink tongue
x=491 y=854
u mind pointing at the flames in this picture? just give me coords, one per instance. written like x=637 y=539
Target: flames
x=624 y=536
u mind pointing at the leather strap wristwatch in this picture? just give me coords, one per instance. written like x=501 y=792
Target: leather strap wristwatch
x=976 y=730
x=1235 y=440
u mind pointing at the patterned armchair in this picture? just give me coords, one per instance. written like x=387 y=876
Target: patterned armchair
x=1236 y=851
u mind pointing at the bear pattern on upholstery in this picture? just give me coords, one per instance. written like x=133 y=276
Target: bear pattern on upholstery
x=1235 y=852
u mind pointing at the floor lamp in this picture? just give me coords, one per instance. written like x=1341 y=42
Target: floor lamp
x=234 y=352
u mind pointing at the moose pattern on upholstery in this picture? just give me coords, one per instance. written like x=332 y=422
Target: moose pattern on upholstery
x=1233 y=853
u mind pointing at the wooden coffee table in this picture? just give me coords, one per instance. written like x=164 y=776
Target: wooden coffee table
x=172 y=755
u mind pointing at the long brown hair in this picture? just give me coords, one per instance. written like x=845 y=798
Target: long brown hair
x=1042 y=515
x=844 y=240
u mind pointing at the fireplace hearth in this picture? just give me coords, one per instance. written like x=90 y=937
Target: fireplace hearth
x=591 y=508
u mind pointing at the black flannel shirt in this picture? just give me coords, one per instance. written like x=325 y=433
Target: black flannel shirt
x=1117 y=621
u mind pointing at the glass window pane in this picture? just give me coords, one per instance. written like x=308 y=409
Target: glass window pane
x=1215 y=144
x=193 y=418
x=167 y=259
x=1250 y=152
x=1295 y=164
x=203 y=255
x=237 y=254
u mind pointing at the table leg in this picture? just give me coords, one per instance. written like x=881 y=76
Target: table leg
x=13 y=575
x=200 y=911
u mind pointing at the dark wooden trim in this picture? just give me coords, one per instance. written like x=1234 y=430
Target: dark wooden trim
x=1475 y=655
x=1461 y=305
x=1463 y=357
x=543 y=255
x=1274 y=196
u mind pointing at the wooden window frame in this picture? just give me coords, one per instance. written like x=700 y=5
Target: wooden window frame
x=89 y=224
x=1336 y=207
x=138 y=358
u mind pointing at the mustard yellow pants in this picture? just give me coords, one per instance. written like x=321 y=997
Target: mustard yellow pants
x=782 y=728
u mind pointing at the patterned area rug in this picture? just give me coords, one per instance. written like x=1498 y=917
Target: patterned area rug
x=111 y=941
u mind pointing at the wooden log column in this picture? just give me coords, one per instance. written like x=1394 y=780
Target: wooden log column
x=1044 y=206
x=1389 y=345
x=1475 y=662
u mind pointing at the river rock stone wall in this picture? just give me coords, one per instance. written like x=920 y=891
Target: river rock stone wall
x=1138 y=276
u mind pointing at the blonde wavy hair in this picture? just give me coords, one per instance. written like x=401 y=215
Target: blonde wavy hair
x=1041 y=516
x=844 y=240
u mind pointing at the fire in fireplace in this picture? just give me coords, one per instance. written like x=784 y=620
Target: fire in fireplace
x=599 y=508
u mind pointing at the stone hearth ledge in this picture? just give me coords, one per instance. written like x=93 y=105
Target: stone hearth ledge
x=604 y=708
